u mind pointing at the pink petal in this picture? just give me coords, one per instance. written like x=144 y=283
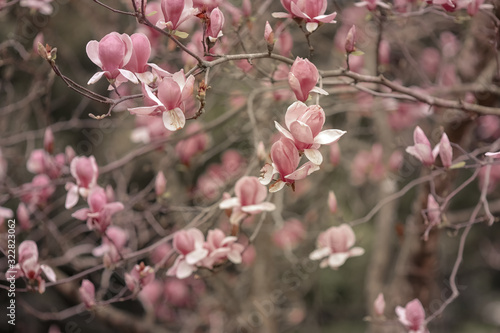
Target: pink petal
x=283 y=130
x=303 y=171
x=294 y=111
x=92 y=49
x=301 y=132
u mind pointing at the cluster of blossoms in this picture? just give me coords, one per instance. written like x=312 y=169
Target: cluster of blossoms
x=303 y=134
x=195 y=252
x=423 y=151
x=311 y=12
x=29 y=267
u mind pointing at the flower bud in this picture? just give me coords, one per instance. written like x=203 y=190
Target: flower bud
x=350 y=40
x=269 y=37
x=160 y=184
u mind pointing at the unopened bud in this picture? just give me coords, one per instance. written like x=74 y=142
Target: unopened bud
x=269 y=37
x=350 y=40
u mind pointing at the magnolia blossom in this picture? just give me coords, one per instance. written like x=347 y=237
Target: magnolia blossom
x=43 y=6
x=87 y=293
x=285 y=157
x=173 y=93
x=111 y=54
x=85 y=171
x=422 y=149
x=194 y=144
x=175 y=12
x=372 y=4
x=139 y=277
x=29 y=267
x=41 y=162
x=149 y=129
x=37 y=192
x=412 y=316
x=221 y=247
x=335 y=246
x=305 y=124
x=433 y=214
x=302 y=78
x=289 y=235
x=312 y=11
x=113 y=245
x=100 y=211
x=250 y=194
x=138 y=63
x=190 y=246
x=214 y=28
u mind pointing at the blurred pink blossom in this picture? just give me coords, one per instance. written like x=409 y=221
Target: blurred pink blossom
x=412 y=316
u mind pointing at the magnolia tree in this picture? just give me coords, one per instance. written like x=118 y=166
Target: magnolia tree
x=249 y=166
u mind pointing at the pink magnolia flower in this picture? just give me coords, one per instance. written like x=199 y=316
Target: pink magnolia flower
x=173 y=93
x=175 y=12
x=372 y=4
x=368 y=164
x=379 y=305
x=113 y=245
x=336 y=243
x=43 y=6
x=350 y=40
x=149 y=129
x=138 y=63
x=302 y=78
x=285 y=157
x=289 y=235
x=41 y=162
x=312 y=11
x=100 y=211
x=222 y=247
x=412 y=316
x=232 y=163
x=214 y=28
x=250 y=196
x=195 y=144
x=111 y=54
x=305 y=124
x=190 y=244
x=29 y=267
x=422 y=148
x=37 y=192
x=87 y=293
x=85 y=171
x=139 y=277
x=176 y=292
x=284 y=43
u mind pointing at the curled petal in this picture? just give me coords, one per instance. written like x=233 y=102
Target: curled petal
x=174 y=119
x=314 y=156
x=283 y=131
x=277 y=186
x=266 y=174
x=303 y=171
x=49 y=273
x=229 y=203
x=329 y=136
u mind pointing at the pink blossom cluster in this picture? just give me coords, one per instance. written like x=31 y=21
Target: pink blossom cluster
x=370 y=166
x=194 y=252
x=423 y=151
x=29 y=267
x=312 y=12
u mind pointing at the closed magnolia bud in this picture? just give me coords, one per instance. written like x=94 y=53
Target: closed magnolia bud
x=160 y=184
x=350 y=40
x=379 y=305
x=87 y=293
x=48 y=141
x=332 y=202
x=269 y=37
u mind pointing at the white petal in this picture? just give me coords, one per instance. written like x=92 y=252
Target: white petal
x=283 y=130
x=174 y=119
x=311 y=26
x=314 y=156
x=96 y=77
x=234 y=257
x=49 y=273
x=129 y=75
x=329 y=136
x=356 y=251
x=184 y=270
x=337 y=259
x=196 y=255
x=264 y=206
x=72 y=196
x=320 y=253
x=230 y=203
x=320 y=91
x=277 y=186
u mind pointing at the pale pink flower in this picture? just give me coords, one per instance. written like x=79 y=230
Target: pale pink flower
x=37 y=192
x=85 y=171
x=173 y=93
x=160 y=184
x=336 y=244
x=368 y=165
x=139 y=277
x=214 y=28
x=113 y=245
x=41 y=162
x=379 y=305
x=250 y=196
x=302 y=78
x=222 y=247
x=29 y=267
x=312 y=11
x=138 y=63
x=422 y=148
x=100 y=211
x=111 y=54
x=289 y=235
x=372 y=4
x=193 y=145
x=176 y=292
x=43 y=6
x=285 y=157
x=23 y=215
x=189 y=244
x=87 y=293
x=412 y=316
x=175 y=12
x=304 y=125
